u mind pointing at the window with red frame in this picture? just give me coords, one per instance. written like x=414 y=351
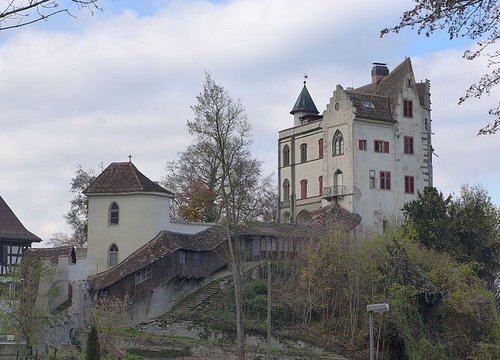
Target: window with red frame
x=407 y=108
x=320 y=148
x=362 y=144
x=320 y=181
x=408 y=144
x=385 y=180
x=409 y=184
x=381 y=146
x=303 y=189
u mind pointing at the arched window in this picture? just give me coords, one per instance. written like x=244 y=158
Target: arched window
x=338 y=143
x=303 y=152
x=286 y=155
x=286 y=190
x=113 y=255
x=114 y=214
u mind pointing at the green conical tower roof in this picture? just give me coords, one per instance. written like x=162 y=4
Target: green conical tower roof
x=304 y=103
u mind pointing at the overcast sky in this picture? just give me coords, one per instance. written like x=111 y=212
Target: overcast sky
x=98 y=88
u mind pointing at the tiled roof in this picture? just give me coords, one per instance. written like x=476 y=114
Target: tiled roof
x=166 y=242
x=50 y=252
x=304 y=103
x=123 y=177
x=11 y=228
x=369 y=106
x=388 y=87
x=333 y=215
x=273 y=230
x=163 y=244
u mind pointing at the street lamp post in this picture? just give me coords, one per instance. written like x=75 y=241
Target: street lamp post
x=374 y=308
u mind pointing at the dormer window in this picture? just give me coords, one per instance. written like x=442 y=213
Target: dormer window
x=114 y=214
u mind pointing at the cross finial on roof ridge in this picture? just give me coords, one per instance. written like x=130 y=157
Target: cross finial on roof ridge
x=305 y=78
x=130 y=158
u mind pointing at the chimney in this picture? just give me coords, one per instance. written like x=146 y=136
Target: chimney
x=379 y=71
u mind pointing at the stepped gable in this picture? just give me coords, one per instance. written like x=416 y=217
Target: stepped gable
x=11 y=228
x=123 y=177
x=163 y=244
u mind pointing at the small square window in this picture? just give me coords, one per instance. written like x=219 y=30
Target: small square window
x=381 y=146
x=143 y=275
x=362 y=144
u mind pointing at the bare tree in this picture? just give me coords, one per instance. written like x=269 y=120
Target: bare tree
x=221 y=122
x=77 y=216
x=19 y=13
x=478 y=20
x=196 y=178
x=109 y=315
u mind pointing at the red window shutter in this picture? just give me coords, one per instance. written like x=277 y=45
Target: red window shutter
x=386 y=146
x=303 y=189
x=388 y=180
x=410 y=108
x=320 y=148
x=360 y=144
x=320 y=179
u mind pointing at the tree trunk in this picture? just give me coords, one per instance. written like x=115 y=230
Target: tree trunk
x=238 y=296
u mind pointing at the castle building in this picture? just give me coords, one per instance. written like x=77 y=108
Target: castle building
x=369 y=152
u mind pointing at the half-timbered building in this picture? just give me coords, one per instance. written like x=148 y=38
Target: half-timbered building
x=14 y=239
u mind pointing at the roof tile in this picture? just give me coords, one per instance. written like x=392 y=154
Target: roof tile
x=11 y=228
x=123 y=177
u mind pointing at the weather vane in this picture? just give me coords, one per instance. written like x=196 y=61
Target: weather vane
x=130 y=158
x=305 y=78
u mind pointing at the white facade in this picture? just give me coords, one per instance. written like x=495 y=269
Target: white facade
x=126 y=210
x=382 y=159
x=141 y=217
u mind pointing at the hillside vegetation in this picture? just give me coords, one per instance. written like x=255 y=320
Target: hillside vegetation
x=436 y=272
